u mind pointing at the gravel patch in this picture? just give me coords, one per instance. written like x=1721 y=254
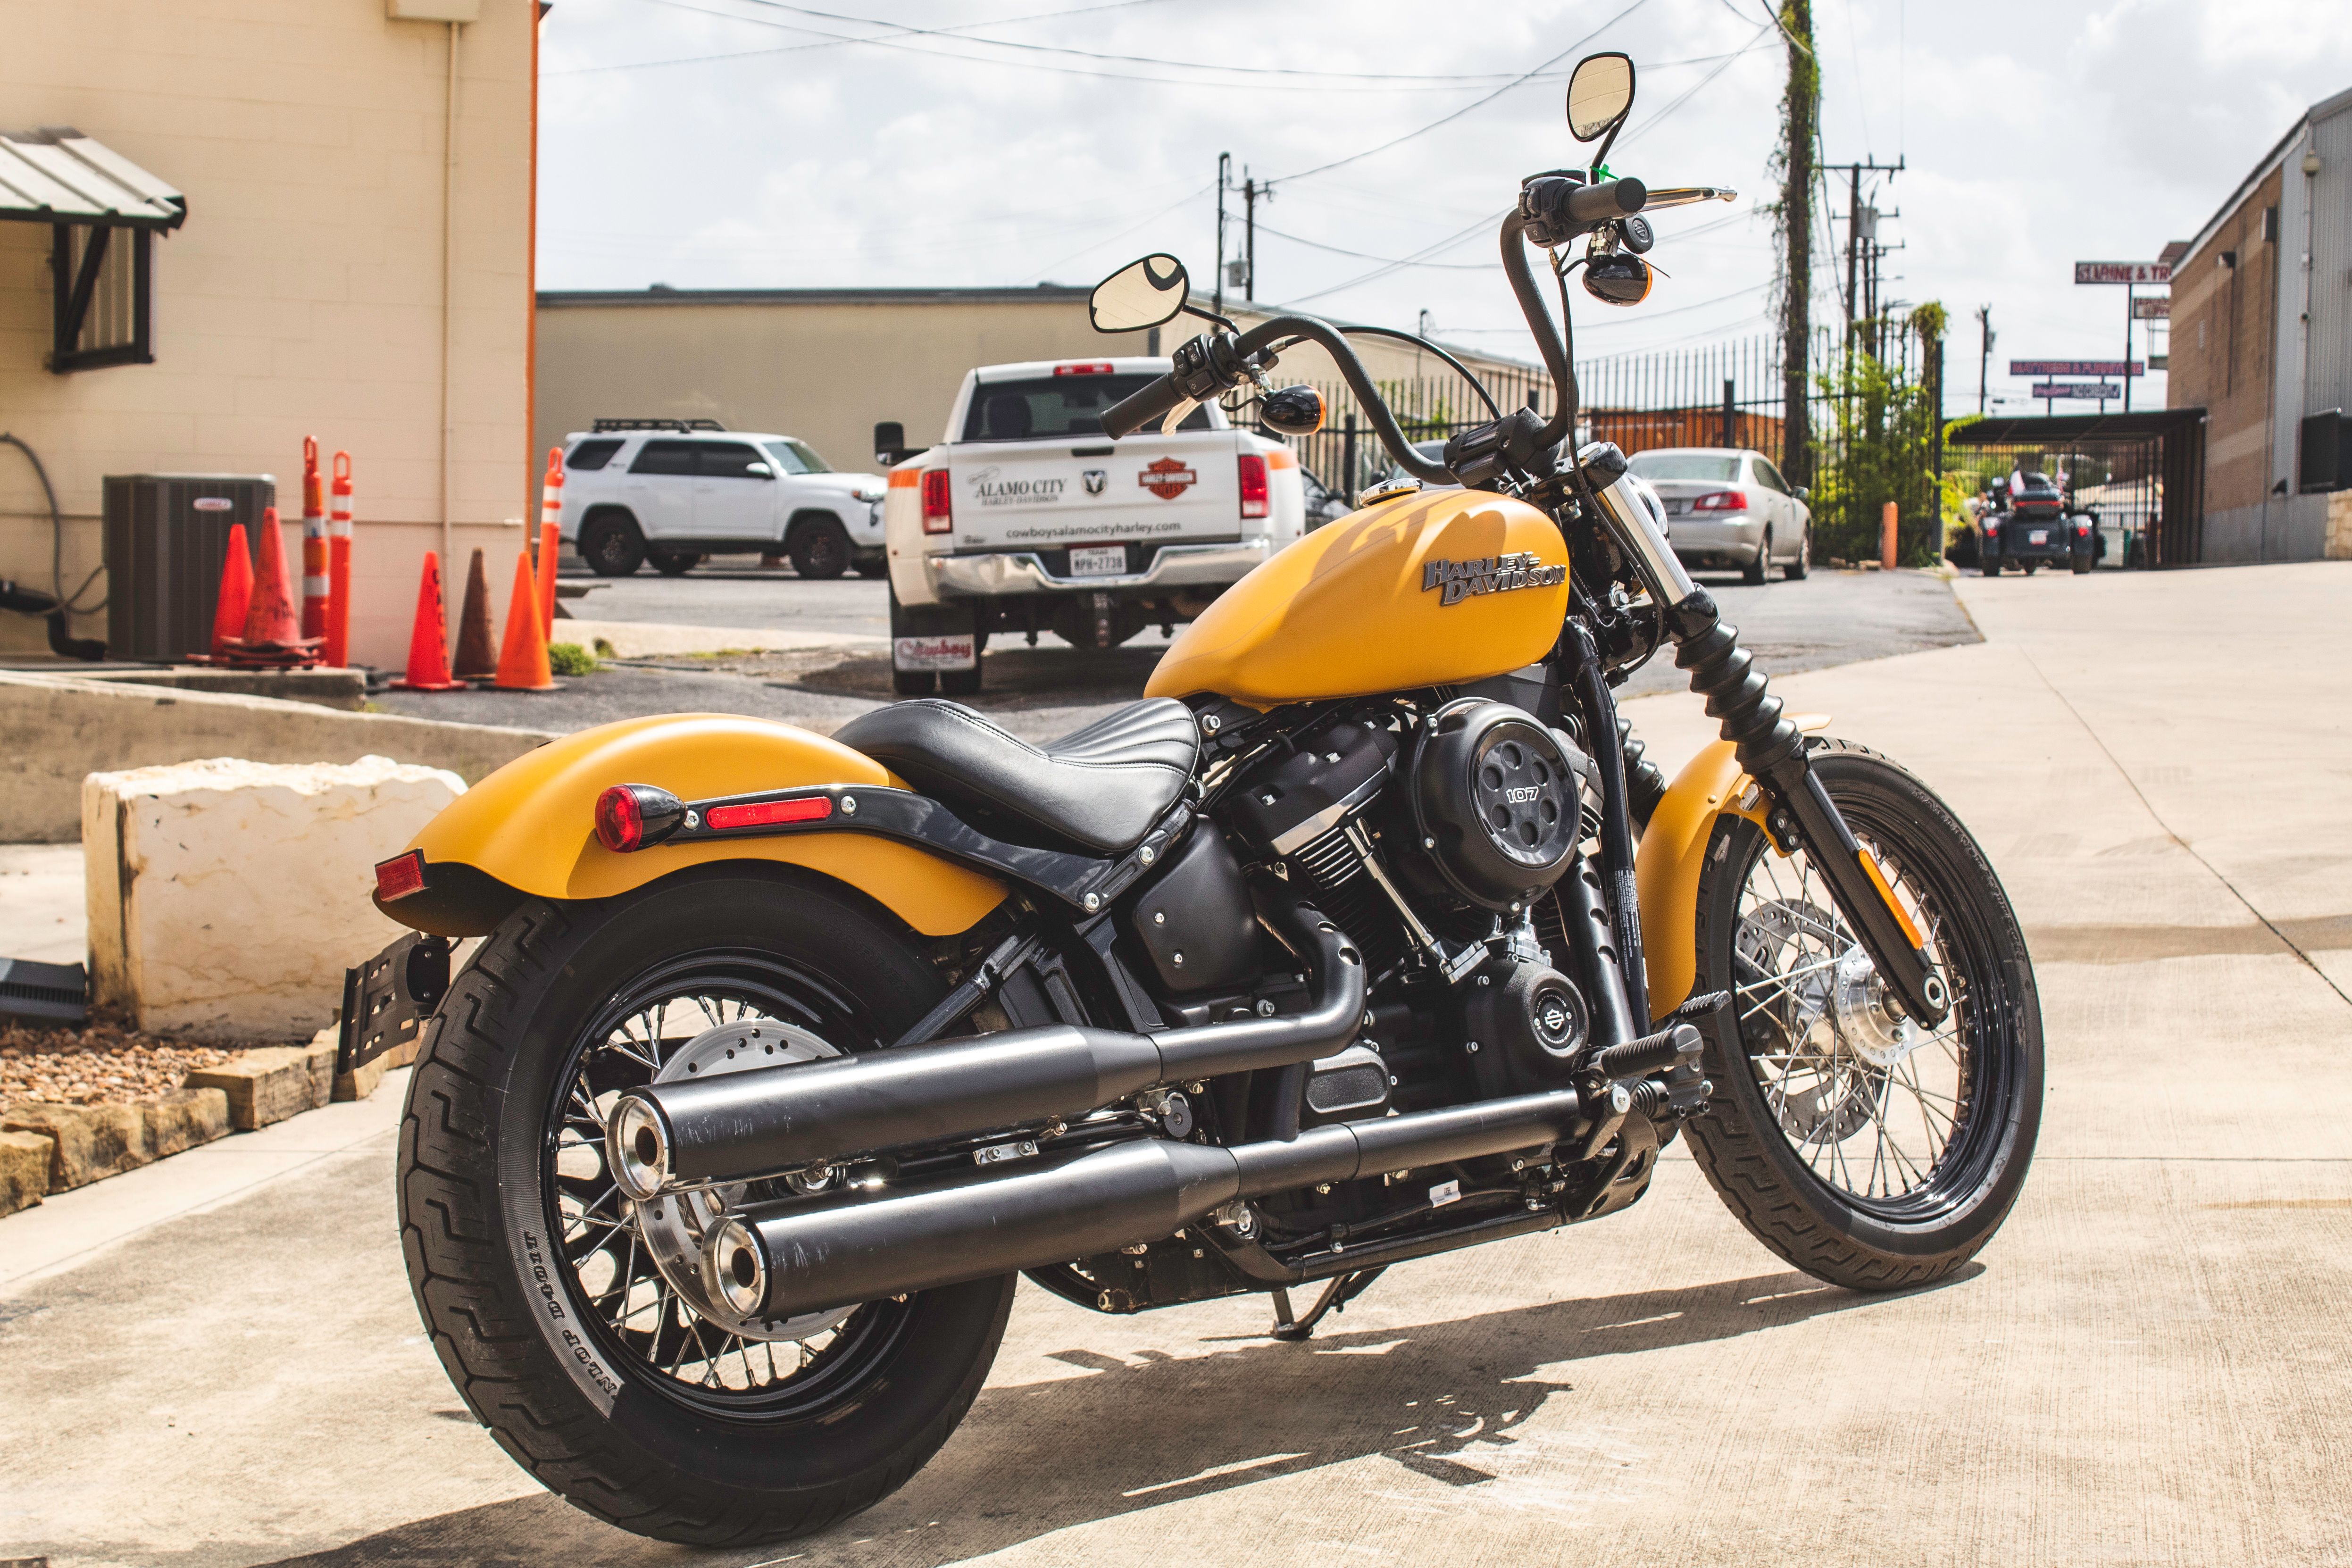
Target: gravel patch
x=101 y=1064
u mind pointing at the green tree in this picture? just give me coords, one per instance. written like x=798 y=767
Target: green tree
x=1883 y=442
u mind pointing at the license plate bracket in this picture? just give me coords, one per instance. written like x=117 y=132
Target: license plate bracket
x=1098 y=560
x=387 y=999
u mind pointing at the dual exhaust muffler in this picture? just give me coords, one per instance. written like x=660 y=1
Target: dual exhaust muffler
x=780 y=1259
x=746 y=1124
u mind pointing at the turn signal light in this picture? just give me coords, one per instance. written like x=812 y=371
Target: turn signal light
x=1721 y=500
x=767 y=813
x=1253 y=486
x=938 y=502
x=399 y=877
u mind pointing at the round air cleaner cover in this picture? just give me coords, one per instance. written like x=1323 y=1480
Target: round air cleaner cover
x=1496 y=800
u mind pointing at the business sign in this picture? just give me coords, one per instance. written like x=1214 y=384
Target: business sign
x=2101 y=390
x=2076 y=367
x=2153 y=273
x=2155 y=309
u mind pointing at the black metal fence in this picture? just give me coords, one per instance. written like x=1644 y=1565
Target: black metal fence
x=1870 y=434
x=2143 y=473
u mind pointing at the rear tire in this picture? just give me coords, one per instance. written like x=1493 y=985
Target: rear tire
x=1754 y=575
x=594 y=1387
x=1992 y=566
x=672 y=563
x=1803 y=1087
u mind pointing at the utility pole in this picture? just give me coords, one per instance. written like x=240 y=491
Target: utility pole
x=1225 y=184
x=1251 y=194
x=1984 y=351
x=1861 y=234
x=1800 y=123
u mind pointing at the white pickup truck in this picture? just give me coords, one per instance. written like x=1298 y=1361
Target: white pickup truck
x=1027 y=517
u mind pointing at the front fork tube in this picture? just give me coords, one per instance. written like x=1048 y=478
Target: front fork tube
x=1772 y=751
x=1607 y=746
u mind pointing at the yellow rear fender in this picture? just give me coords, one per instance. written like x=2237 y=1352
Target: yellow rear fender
x=529 y=829
x=1673 y=849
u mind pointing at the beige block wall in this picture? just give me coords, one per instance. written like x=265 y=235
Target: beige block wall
x=829 y=372
x=304 y=294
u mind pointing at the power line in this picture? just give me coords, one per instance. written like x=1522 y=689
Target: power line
x=828 y=40
x=1480 y=103
x=1391 y=261
x=1450 y=241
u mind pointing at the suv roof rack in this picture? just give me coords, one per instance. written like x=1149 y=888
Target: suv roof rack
x=681 y=425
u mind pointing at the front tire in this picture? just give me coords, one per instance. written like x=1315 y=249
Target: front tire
x=590 y=1368
x=820 y=551
x=1867 y=1156
x=612 y=545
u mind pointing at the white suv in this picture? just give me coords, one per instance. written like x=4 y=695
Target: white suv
x=672 y=491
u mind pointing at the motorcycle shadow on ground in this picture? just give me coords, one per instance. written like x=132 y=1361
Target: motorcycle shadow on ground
x=1448 y=1401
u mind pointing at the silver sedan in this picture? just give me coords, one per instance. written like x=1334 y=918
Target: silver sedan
x=1727 y=508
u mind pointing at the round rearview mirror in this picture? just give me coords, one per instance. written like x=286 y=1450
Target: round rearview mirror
x=1599 y=95
x=1618 y=279
x=1140 y=294
x=1292 y=411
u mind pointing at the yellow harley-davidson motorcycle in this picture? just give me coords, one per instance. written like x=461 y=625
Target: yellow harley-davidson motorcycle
x=784 y=1057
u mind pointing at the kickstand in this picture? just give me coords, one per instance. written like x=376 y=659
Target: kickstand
x=1335 y=1299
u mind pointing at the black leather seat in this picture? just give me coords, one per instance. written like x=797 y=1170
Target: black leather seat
x=1098 y=789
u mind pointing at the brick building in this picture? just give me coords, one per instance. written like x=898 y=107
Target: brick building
x=2261 y=339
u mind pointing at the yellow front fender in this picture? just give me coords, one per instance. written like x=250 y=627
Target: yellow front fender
x=530 y=826
x=1672 y=850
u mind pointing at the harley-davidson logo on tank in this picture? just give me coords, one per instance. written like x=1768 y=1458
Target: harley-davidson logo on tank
x=1458 y=580
x=1167 y=478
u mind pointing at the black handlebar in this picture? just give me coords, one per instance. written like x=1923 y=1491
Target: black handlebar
x=1608 y=200
x=1133 y=411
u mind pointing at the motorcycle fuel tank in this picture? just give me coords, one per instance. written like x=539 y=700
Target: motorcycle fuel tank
x=1430 y=589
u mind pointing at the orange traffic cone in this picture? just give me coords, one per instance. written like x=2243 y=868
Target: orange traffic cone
x=522 y=661
x=475 y=658
x=273 y=635
x=428 y=646
x=236 y=590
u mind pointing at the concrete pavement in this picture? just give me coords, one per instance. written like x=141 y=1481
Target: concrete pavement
x=2145 y=1367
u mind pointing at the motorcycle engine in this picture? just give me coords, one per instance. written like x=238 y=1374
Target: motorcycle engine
x=1496 y=801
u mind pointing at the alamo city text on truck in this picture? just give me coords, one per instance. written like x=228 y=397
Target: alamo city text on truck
x=1026 y=518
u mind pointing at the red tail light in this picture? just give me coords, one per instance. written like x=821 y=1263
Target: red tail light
x=939 y=503
x=1082 y=370
x=398 y=878
x=1253 y=486
x=767 y=813
x=620 y=825
x=1721 y=500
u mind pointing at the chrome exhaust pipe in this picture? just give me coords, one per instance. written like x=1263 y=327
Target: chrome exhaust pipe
x=745 y=1124
x=802 y=1255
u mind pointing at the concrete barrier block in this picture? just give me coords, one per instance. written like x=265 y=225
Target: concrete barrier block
x=262 y=1086
x=182 y=1119
x=87 y=1143
x=226 y=898
x=25 y=1158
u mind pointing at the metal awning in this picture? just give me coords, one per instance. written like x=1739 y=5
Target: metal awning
x=57 y=174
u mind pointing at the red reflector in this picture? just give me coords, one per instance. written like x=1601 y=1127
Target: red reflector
x=1082 y=370
x=396 y=878
x=620 y=820
x=938 y=502
x=765 y=813
x=1721 y=500
x=1254 y=501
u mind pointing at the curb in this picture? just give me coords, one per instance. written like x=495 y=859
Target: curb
x=50 y=1148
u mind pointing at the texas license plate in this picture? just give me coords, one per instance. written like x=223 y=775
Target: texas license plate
x=1098 y=561
x=2037 y=536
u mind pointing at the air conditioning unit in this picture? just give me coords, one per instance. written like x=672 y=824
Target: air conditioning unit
x=166 y=539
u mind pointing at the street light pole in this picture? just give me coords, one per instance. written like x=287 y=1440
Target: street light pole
x=2130 y=292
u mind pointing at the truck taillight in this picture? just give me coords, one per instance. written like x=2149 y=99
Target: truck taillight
x=1096 y=369
x=1721 y=500
x=1254 y=502
x=939 y=503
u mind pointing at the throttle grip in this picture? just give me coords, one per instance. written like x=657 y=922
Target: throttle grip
x=1609 y=199
x=1133 y=411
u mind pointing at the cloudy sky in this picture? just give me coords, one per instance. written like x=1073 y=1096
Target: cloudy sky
x=751 y=144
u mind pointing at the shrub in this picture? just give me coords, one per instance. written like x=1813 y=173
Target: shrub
x=570 y=659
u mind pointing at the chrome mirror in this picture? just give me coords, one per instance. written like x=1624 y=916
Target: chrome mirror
x=1600 y=95
x=1142 y=294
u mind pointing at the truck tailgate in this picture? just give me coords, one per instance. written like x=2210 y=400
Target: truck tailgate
x=1161 y=489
